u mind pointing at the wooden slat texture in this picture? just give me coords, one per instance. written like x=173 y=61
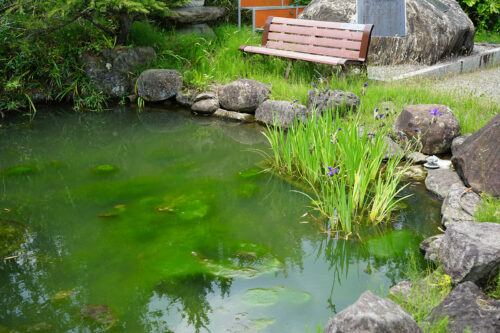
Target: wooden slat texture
x=324 y=24
x=311 y=40
x=313 y=49
x=320 y=32
x=295 y=55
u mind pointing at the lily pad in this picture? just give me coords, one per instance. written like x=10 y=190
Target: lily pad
x=261 y=323
x=247 y=190
x=393 y=244
x=270 y=296
x=20 y=170
x=250 y=173
x=99 y=314
x=104 y=169
x=12 y=235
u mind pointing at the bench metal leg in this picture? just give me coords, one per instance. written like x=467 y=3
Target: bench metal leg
x=287 y=72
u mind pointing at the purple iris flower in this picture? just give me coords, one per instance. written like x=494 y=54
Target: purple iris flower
x=332 y=172
x=371 y=135
x=440 y=114
x=381 y=115
x=326 y=90
x=295 y=101
x=386 y=109
x=339 y=129
x=365 y=85
x=417 y=130
x=376 y=110
x=434 y=112
x=315 y=86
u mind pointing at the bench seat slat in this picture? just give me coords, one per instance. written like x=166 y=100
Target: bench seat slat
x=333 y=33
x=294 y=55
x=319 y=50
x=325 y=24
x=311 y=40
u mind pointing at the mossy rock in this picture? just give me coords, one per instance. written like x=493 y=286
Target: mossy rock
x=246 y=260
x=19 y=170
x=105 y=170
x=185 y=207
x=12 y=235
x=247 y=190
x=99 y=314
x=271 y=296
x=251 y=173
x=393 y=244
x=60 y=295
x=262 y=323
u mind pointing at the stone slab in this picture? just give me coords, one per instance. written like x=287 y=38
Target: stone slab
x=388 y=16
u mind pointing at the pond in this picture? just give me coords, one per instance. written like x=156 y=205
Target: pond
x=163 y=221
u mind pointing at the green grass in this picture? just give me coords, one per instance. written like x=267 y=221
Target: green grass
x=483 y=36
x=216 y=61
x=488 y=210
x=429 y=288
x=343 y=169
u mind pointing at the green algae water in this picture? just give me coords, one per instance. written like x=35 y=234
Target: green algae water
x=165 y=222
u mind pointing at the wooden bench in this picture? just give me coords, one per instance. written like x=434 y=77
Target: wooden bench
x=331 y=43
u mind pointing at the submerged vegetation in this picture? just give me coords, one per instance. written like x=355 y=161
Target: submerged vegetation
x=343 y=166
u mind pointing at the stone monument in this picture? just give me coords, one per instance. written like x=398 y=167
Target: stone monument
x=387 y=16
x=435 y=29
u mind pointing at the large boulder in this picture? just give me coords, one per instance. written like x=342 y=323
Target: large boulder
x=459 y=205
x=155 y=85
x=477 y=160
x=372 y=313
x=470 y=251
x=434 y=30
x=111 y=70
x=439 y=181
x=282 y=112
x=243 y=95
x=430 y=247
x=468 y=310
x=322 y=100
x=193 y=15
x=205 y=103
x=434 y=125
x=458 y=142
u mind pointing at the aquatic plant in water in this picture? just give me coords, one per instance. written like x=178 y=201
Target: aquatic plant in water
x=344 y=167
x=271 y=296
x=12 y=235
x=105 y=169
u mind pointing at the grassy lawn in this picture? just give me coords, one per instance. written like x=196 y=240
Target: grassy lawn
x=487 y=37
x=206 y=61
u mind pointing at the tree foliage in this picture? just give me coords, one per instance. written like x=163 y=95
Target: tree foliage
x=484 y=13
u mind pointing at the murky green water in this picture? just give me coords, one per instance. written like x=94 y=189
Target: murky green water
x=173 y=232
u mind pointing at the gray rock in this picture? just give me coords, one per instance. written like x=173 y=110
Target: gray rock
x=435 y=132
x=392 y=148
x=206 y=106
x=372 y=313
x=321 y=101
x=439 y=181
x=414 y=172
x=430 y=247
x=111 y=70
x=185 y=98
x=246 y=117
x=205 y=95
x=284 y=112
x=200 y=29
x=194 y=3
x=417 y=157
x=195 y=15
x=156 y=85
x=431 y=33
x=468 y=308
x=459 y=205
x=477 y=160
x=243 y=95
x=470 y=251
x=457 y=142
x=402 y=290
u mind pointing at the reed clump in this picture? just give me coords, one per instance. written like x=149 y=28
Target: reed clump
x=344 y=166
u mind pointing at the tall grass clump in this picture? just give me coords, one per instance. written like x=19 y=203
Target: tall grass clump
x=488 y=210
x=344 y=168
x=428 y=289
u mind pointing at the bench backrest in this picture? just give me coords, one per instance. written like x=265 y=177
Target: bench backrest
x=341 y=40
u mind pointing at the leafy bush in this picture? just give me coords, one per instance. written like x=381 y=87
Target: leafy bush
x=484 y=13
